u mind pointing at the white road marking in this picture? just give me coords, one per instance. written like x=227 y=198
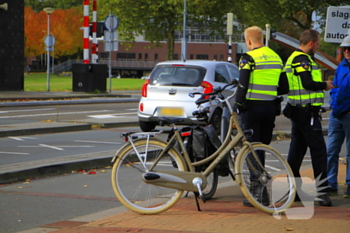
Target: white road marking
x=114 y=143
x=13 y=153
x=21 y=138
x=116 y=115
x=55 y=147
x=272 y=168
x=52 y=147
x=53 y=114
x=103 y=116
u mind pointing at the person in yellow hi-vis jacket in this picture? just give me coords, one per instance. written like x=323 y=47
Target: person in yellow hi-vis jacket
x=305 y=99
x=257 y=102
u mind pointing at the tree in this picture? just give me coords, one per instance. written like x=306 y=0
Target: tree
x=159 y=19
x=38 y=5
x=64 y=26
x=34 y=32
x=278 y=12
x=289 y=17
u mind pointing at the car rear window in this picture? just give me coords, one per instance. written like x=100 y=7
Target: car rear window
x=177 y=75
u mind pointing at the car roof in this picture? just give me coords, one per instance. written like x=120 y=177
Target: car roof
x=204 y=63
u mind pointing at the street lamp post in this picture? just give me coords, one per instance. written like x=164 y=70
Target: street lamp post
x=183 y=40
x=48 y=10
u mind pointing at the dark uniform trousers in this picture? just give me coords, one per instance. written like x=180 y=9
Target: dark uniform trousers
x=308 y=133
x=261 y=119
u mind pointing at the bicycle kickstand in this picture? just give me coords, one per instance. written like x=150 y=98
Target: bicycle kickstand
x=196 y=196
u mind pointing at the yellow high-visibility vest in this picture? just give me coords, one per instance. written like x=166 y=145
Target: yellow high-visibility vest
x=297 y=93
x=265 y=73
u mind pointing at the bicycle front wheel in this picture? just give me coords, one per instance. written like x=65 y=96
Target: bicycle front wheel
x=265 y=178
x=129 y=166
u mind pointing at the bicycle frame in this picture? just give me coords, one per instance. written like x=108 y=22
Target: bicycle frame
x=184 y=180
x=190 y=180
x=158 y=163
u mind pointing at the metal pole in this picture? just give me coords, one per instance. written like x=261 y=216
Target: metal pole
x=229 y=33
x=53 y=61
x=110 y=56
x=268 y=32
x=183 y=40
x=48 y=53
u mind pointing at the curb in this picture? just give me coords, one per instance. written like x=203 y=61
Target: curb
x=53 y=170
x=21 y=132
x=68 y=102
x=68 y=128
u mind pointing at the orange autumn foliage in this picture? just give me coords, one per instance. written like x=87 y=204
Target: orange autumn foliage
x=64 y=26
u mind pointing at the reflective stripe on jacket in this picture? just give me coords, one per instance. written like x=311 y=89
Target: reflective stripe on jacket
x=297 y=93
x=265 y=73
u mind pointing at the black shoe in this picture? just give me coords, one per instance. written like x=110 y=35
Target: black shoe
x=325 y=200
x=259 y=192
x=347 y=192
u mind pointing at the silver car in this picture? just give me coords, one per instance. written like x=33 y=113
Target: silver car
x=165 y=92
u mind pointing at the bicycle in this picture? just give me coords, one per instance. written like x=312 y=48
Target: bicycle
x=149 y=176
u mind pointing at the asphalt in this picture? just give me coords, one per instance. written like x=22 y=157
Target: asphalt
x=224 y=213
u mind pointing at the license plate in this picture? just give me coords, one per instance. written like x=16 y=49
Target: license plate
x=168 y=111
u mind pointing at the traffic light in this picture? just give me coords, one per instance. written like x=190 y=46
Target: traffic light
x=100 y=28
x=272 y=35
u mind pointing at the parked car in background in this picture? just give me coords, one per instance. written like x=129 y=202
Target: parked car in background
x=165 y=92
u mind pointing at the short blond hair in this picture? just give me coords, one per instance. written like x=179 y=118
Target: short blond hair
x=254 y=33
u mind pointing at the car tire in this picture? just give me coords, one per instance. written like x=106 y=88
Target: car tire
x=215 y=120
x=147 y=126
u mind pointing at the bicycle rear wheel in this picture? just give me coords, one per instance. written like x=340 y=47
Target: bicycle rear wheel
x=270 y=185
x=129 y=166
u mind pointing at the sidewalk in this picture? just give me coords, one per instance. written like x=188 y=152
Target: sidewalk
x=224 y=213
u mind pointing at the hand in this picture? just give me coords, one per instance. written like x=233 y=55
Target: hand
x=329 y=85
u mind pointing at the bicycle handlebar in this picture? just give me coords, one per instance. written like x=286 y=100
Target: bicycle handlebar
x=216 y=94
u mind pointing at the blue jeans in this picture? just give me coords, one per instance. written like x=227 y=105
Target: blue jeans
x=338 y=130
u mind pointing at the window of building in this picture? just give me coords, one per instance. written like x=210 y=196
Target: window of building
x=103 y=55
x=191 y=56
x=215 y=57
x=126 y=56
x=221 y=57
x=176 y=56
x=140 y=56
x=156 y=57
x=202 y=56
x=146 y=56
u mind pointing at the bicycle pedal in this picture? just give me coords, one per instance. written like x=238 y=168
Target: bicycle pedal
x=197 y=182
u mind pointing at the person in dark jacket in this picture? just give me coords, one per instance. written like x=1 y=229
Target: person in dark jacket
x=305 y=99
x=257 y=101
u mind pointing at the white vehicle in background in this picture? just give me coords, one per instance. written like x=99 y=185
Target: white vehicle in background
x=165 y=92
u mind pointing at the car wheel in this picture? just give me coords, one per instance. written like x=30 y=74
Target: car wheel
x=147 y=126
x=215 y=120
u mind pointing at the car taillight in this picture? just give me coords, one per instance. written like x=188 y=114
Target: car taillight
x=185 y=134
x=141 y=107
x=144 y=88
x=207 y=88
